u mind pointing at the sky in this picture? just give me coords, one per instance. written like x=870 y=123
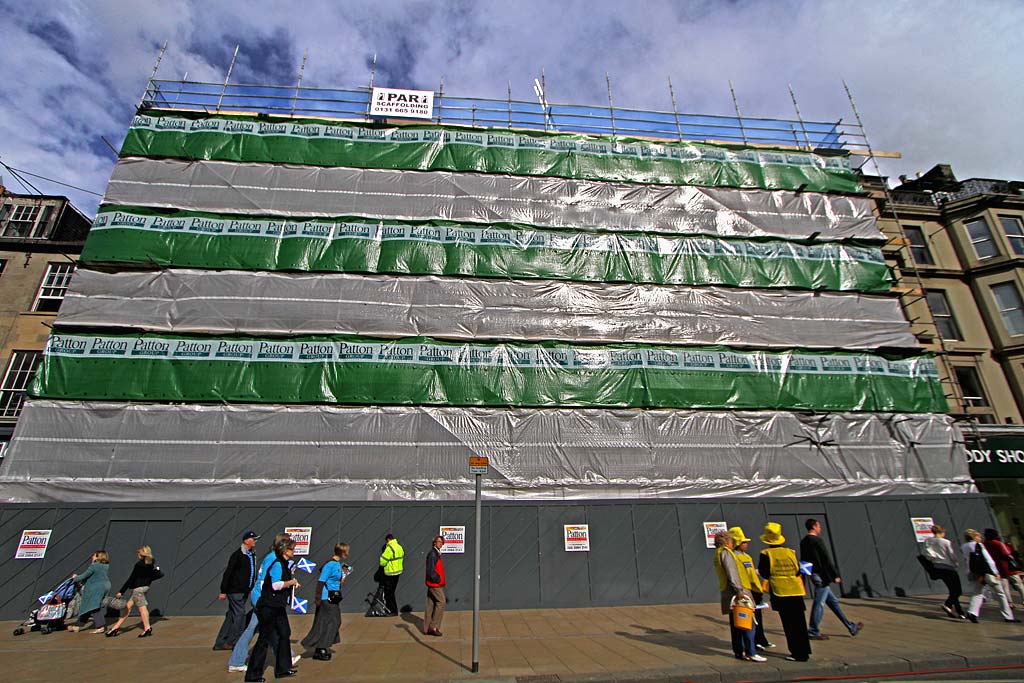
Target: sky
x=939 y=82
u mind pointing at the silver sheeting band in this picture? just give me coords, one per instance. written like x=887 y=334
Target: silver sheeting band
x=245 y=302
x=283 y=190
x=100 y=451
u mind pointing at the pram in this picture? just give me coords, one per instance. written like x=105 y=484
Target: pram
x=378 y=608
x=55 y=607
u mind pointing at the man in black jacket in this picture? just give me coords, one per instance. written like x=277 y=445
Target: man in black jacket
x=823 y=575
x=235 y=585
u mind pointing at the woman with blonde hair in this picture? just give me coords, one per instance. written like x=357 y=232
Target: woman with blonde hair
x=95 y=582
x=144 y=573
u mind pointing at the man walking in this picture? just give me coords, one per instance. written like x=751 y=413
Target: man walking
x=434 y=612
x=983 y=579
x=823 y=575
x=235 y=585
x=391 y=558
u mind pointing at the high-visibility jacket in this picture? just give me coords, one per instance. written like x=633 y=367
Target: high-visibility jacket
x=392 y=557
x=784 y=578
x=748 y=572
x=722 y=580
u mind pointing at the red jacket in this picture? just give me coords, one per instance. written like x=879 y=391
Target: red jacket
x=1002 y=555
x=435 y=569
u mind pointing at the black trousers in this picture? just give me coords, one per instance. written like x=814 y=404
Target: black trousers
x=951 y=578
x=795 y=625
x=390 y=584
x=273 y=622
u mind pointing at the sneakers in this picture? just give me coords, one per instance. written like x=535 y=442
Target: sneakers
x=857 y=628
x=1012 y=621
x=949 y=611
x=756 y=658
x=295 y=659
x=972 y=618
x=791 y=658
x=766 y=646
x=237 y=669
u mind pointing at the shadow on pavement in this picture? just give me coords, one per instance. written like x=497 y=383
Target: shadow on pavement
x=412 y=627
x=697 y=643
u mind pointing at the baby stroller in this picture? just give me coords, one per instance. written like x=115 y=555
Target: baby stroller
x=54 y=608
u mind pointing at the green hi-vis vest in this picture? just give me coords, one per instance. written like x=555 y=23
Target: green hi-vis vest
x=784 y=578
x=391 y=558
x=722 y=581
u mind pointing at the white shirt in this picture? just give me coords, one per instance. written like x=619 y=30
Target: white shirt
x=940 y=551
x=968 y=548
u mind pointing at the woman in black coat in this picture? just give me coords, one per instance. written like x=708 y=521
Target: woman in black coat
x=144 y=573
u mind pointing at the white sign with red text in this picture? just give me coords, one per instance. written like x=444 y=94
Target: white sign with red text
x=712 y=528
x=32 y=545
x=922 y=528
x=577 y=538
x=301 y=535
x=454 y=539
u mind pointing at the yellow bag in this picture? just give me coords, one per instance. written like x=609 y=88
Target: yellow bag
x=743 y=614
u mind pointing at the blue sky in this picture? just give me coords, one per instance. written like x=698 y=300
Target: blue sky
x=939 y=82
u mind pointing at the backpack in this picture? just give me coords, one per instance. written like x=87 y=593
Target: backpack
x=976 y=562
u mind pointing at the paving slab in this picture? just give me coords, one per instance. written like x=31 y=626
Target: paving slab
x=649 y=644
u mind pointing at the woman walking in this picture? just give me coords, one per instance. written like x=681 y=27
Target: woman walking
x=945 y=567
x=95 y=582
x=144 y=573
x=1009 y=572
x=327 y=623
x=786 y=588
x=272 y=612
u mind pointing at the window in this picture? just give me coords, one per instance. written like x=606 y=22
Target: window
x=944 y=321
x=1010 y=307
x=970 y=386
x=54 y=286
x=1014 y=229
x=918 y=245
x=19 y=373
x=25 y=220
x=981 y=238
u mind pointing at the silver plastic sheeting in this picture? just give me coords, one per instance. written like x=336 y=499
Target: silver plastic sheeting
x=184 y=300
x=283 y=190
x=73 y=451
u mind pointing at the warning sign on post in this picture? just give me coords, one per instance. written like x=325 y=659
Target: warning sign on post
x=577 y=538
x=32 y=545
x=301 y=535
x=454 y=539
x=922 y=528
x=478 y=464
x=710 y=529
x=415 y=104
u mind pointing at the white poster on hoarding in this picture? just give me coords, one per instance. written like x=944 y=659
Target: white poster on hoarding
x=712 y=528
x=301 y=535
x=577 y=538
x=922 y=528
x=415 y=104
x=32 y=545
x=454 y=539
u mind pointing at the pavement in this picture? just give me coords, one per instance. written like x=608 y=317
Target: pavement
x=902 y=638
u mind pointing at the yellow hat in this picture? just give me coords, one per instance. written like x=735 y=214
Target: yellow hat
x=738 y=536
x=773 y=534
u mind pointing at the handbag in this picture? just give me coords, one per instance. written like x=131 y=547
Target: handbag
x=334 y=597
x=742 y=614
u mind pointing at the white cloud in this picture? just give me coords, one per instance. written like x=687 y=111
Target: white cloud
x=937 y=81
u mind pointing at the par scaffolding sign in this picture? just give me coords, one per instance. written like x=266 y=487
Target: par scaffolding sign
x=413 y=104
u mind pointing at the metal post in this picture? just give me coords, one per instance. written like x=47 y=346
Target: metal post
x=298 y=85
x=739 y=117
x=799 y=117
x=510 y=104
x=369 y=94
x=476 y=581
x=227 y=78
x=611 y=105
x=149 y=83
x=440 y=98
x=675 y=109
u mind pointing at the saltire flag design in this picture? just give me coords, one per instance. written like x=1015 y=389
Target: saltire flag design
x=805 y=568
x=305 y=565
x=299 y=605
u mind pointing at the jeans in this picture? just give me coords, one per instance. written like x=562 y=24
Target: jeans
x=742 y=641
x=823 y=595
x=234 y=620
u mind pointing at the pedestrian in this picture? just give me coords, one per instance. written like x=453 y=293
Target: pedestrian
x=786 y=589
x=235 y=586
x=740 y=546
x=327 y=623
x=734 y=586
x=945 y=567
x=144 y=573
x=1006 y=563
x=95 y=582
x=983 y=579
x=272 y=609
x=823 y=575
x=391 y=557
x=433 y=614
x=236 y=663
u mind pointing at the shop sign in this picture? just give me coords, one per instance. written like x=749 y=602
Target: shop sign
x=996 y=457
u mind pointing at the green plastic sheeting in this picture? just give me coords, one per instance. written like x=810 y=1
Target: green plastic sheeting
x=435 y=147
x=204 y=240
x=422 y=371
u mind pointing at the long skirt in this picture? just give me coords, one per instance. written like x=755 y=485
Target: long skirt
x=326 y=625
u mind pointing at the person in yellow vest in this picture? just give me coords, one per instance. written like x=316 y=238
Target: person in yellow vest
x=734 y=585
x=786 y=587
x=391 y=558
x=746 y=562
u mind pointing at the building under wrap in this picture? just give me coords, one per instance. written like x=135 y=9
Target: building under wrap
x=286 y=321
